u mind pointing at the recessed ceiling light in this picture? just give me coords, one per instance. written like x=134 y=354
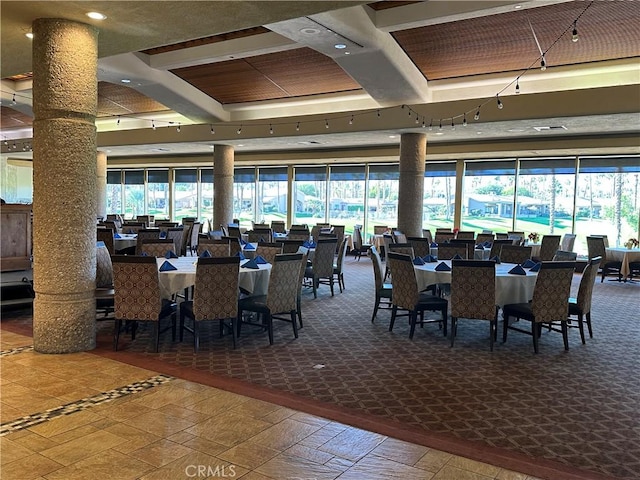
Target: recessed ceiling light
x=340 y=46
x=29 y=35
x=96 y=15
x=392 y=136
x=517 y=7
x=439 y=133
x=514 y=130
x=309 y=31
x=241 y=145
x=347 y=53
x=125 y=80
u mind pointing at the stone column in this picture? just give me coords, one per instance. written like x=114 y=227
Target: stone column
x=101 y=176
x=223 y=158
x=413 y=148
x=65 y=86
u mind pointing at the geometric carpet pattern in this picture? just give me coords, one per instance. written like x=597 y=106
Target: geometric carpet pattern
x=580 y=407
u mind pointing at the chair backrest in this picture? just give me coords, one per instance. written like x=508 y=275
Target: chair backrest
x=323 y=257
x=342 y=253
x=496 y=246
x=426 y=233
x=405 y=248
x=549 y=247
x=443 y=229
x=176 y=234
x=466 y=235
x=157 y=247
x=106 y=235
x=380 y=229
x=568 y=240
x=216 y=248
x=470 y=243
x=515 y=254
x=502 y=236
x=357 y=237
x=137 y=288
x=444 y=237
x=473 y=289
x=446 y=251
x=588 y=279
x=399 y=237
x=278 y=226
x=256 y=235
x=145 y=234
x=289 y=245
x=215 y=293
x=484 y=237
x=234 y=231
x=234 y=245
x=269 y=250
x=315 y=232
x=299 y=232
x=195 y=231
x=338 y=231
x=564 y=256
x=551 y=294
x=104 y=268
x=421 y=246
x=596 y=247
x=388 y=240
x=132 y=227
x=377 y=267
x=405 y=286
x=284 y=286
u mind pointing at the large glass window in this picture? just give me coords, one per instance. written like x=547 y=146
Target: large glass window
x=206 y=197
x=272 y=199
x=158 y=193
x=488 y=194
x=346 y=196
x=114 y=191
x=545 y=196
x=133 y=193
x=439 y=195
x=383 y=196
x=607 y=199
x=244 y=194
x=185 y=197
x=310 y=193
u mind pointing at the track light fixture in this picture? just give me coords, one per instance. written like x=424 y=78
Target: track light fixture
x=453 y=125
x=543 y=64
x=417 y=119
x=212 y=130
x=517 y=85
x=423 y=123
x=477 y=115
x=440 y=126
x=13 y=100
x=298 y=127
x=574 y=33
x=326 y=123
x=153 y=125
x=351 y=120
x=270 y=129
x=118 y=122
x=464 y=120
x=500 y=105
x=178 y=128
x=431 y=124
x=239 y=131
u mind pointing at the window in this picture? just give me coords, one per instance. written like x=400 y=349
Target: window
x=310 y=193
x=244 y=193
x=347 y=196
x=272 y=199
x=439 y=195
x=185 y=197
x=158 y=193
x=133 y=193
x=383 y=196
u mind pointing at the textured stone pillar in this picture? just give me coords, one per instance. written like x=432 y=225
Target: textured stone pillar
x=101 y=186
x=222 y=185
x=413 y=148
x=65 y=59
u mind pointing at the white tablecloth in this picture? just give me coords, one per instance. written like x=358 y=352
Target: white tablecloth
x=254 y=281
x=624 y=255
x=509 y=288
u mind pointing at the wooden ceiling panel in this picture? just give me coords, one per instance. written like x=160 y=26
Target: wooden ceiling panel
x=472 y=47
x=247 y=32
x=10 y=118
x=122 y=100
x=277 y=75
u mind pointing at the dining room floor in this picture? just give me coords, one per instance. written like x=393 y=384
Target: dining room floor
x=554 y=415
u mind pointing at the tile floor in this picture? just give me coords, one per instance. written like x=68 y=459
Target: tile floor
x=81 y=416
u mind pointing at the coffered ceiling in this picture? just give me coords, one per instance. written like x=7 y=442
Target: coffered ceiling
x=339 y=77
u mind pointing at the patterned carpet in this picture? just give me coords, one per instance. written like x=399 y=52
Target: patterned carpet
x=578 y=409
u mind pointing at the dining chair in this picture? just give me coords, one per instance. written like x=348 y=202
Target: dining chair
x=321 y=268
x=405 y=296
x=281 y=298
x=470 y=243
x=502 y=236
x=137 y=297
x=235 y=246
x=216 y=248
x=473 y=295
x=387 y=239
x=278 y=226
x=338 y=266
x=303 y=267
x=359 y=247
x=580 y=306
x=104 y=280
x=596 y=248
x=568 y=241
x=550 y=303
x=421 y=246
x=444 y=229
x=157 y=247
x=105 y=235
x=194 y=237
x=234 y=231
x=289 y=246
x=399 y=237
x=446 y=251
x=145 y=234
x=483 y=238
x=382 y=290
x=260 y=235
x=466 y=235
x=269 y=250
x=404 y=248
x=215 y=297
x=564 y=256
x=444 y=237
x=548 y=248
x=176 y=234
x=426 y=234
x=496 y=246
x=515 y=254
x=380 y=229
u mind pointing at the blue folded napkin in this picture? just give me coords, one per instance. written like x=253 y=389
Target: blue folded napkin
x=251 y=264
x=131 y=231
x=163 y=235
x=243 y=242
x=479 y=247
x=100 y=244
x=205 y=254
x=495 y=258
x=249 y=246
x=116 y=235
x=166 y=266
x=528 y=263
x=456 y=257
x=143 y=254
x=261 y=239
x=430 y=259
x=170 y=254
x=434 y=245
x=517 y=270
x=536 y=267
x=241 y=255
x=418 y=261
x=487 y=244
x=260 y=260
x=443 y=267
x=308 y=244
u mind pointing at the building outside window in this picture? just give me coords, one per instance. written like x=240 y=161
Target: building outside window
x=272 y=198
x=383 y=196
x=185 y=196
x=158 y=193
x=310 y=193
x=114 y=191
x=244 y=194
x=133 y=193
x=347 y=196
x=439 y=195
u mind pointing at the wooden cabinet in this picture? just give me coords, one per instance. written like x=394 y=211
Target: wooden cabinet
x=15 y=228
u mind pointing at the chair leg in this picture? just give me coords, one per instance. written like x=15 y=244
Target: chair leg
x=454 y=325
x=156 y=330
x=315 y=287
x=589 y=324
x=413 y=317
x=444 y=321
x=299 y=310
x=331 y=285
x=294 y=321
x=492 y=328
x=196 y=340
x=233 y=331
x=581 y=327
x=269 y=321
x=116 y=334
x=505 y=327
x=565 y=334
x=173 y=327
x=394 y=311
x=375 y=308
x=534 y=334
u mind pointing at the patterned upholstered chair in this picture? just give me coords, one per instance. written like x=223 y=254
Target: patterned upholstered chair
x=260 y=235
x=359 y=247
x=581 y=305
x=137 y=296
x=321 y=268
x=596 y=247
x=483 y=238
x=470 y=243
x=278 y=226
x=299 y=232
x=269 y=250
x=215 y=297
x=564 y=256
x=289 y=246
x=338 y=231
x=176 y=234
x=216 y=248
x=444 y=237
x=234 y=245
x=281 y=298
x=383 y=290
x=421 y=246
x=496 y=246
x=380 y=229
x=158 y=247
x=405 y=295
x=568 y=240
x=194 y=237
x=303 y=267
x=548 y=248
x=104 y=280
x=426 y=233
x=399 y=237
x=338 y=266
x=473 y=295
x=387 y=239
x=446 y=251
x=514 y=254
x=145 y=234
x=105 y=235
x=466 y=235
x=550 y=303
x=404 y=248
